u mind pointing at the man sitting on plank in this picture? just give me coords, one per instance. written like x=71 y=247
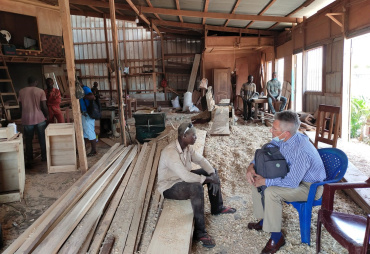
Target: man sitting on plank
x=177 y=180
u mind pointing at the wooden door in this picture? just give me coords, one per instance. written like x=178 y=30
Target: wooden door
x=221 y=84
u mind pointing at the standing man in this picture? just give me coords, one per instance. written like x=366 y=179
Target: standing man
x=32 y=102
x=306 y=168
x=177 y=180
x=88 y=124
x=246 y=92
x=53 y=100
x=95 y=90
x=274 y=93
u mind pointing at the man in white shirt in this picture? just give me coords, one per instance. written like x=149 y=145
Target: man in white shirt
x=177 y=180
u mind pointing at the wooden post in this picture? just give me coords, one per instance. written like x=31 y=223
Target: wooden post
x=125 y=60
x=153 y=65
x=118 y=71
x=108 y=59
x=70 y=64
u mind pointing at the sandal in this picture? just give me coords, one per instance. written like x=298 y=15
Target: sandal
x=226 y=209
x=91 y=154
x=207 y=241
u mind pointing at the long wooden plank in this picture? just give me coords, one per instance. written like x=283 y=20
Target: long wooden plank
x=173 y=232
x=148 y=195
x=70 y=57
x=124 y=214
x=54 y=240
x=71 y=192
x=74 y=242
x=194 y=72
x=134 y=227
x=108 y=141
x=76 y=192
x=199 y=145
x=108 y=216
x=220 y=126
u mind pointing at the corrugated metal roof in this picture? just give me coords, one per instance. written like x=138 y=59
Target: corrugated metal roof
x=221 y=6
x=283 y=7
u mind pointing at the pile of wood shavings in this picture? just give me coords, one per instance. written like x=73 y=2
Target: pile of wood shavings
x=231 y=155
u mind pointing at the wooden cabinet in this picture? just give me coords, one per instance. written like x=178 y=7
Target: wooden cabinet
x=12 y=176
x=221 y=84
x=61 y=147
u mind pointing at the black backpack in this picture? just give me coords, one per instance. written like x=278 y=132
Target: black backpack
x=94 y=109
x=269 y=163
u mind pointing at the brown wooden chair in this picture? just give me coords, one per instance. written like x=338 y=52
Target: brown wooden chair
x=351 y=231
x=328 y=120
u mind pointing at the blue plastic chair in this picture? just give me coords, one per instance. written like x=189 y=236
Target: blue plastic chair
x=336 y=164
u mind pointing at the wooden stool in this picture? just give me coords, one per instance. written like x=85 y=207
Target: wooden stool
x=129 y=102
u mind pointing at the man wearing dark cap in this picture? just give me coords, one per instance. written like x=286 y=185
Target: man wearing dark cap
x=32 y=101
x=177 y=180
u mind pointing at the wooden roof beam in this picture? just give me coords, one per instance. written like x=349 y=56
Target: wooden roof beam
x=213 y=28
x=215 y=15
x=75 y=7
x=262 y=11
x=100 y=4
x=142 y=16
x=233 y=11
x=100 y=15
x=178 y=8
x=305 y=4
x=206 y=3
x=150 y=5
x=95 y=9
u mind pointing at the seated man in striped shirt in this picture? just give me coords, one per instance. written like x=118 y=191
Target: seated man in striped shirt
x=306 y=167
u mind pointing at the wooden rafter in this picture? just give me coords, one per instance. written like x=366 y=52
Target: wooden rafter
x=75 y=7
x=216 y=15
x=262 y=11
x=142 y=16
x=233 y=11
x=95 y=9
x=305 y=4
x=150 y=5
x=178 y=8
x=142 y=9
x=213 y=28
x=100 y=15
x=206 y=3
x=336 y=21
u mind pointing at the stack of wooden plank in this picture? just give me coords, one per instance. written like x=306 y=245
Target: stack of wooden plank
x=106 y=209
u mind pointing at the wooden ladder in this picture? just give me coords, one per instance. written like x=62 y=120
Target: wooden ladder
x=5 y=81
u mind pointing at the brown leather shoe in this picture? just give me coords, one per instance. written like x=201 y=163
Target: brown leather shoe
x=255 y=226
x=272 y=247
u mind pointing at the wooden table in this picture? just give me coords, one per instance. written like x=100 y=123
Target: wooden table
x=256 y=102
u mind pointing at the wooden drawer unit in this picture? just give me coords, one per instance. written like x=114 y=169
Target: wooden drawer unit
x=61 y=147
x=12 y=176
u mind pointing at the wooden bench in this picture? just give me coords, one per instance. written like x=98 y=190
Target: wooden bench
x=174 y=231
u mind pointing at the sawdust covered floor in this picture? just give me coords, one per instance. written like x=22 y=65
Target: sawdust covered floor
x=41 y=191
x=231 y=155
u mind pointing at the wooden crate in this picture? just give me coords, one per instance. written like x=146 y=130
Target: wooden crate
x=61 y=147
x=12 y=175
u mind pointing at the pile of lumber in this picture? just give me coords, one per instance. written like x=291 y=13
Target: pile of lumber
x=107 y=209
x=103 y=211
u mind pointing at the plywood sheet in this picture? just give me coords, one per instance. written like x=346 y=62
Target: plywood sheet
x=199 y=145
x=9 y=180
x=220 y=126
x=173 y=232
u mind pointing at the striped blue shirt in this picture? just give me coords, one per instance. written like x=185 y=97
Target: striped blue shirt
x=304 y=160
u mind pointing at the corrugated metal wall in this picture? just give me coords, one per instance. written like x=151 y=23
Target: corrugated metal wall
x=89 y=43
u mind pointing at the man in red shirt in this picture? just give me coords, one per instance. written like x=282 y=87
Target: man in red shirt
x=32 y=101
x=53 y=99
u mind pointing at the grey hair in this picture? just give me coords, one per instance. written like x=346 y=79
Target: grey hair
x=289 y=121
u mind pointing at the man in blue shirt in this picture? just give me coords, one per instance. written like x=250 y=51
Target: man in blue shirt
x=274 y=93
x=88 y=124
x=306 y=167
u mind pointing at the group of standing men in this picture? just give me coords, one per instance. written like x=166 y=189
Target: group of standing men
x=40 y=107
x=248 y=93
